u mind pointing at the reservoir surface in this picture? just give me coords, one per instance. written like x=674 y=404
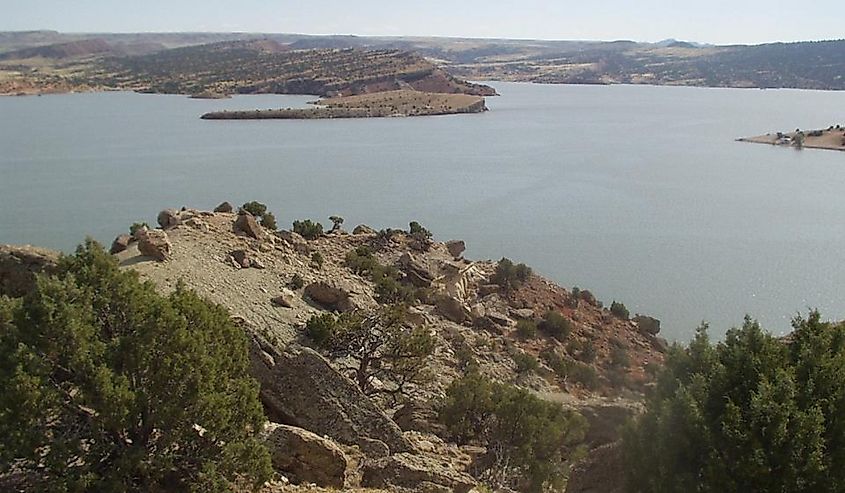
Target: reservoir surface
x=637 y=193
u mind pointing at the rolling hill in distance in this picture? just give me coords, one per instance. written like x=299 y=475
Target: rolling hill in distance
x=802 y=65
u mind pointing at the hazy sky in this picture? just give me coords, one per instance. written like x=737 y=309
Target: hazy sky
x=714 y=21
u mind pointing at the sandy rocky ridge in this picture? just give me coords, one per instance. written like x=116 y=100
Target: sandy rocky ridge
x=325 y=433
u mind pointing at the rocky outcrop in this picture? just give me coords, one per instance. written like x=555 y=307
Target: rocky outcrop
x=154 y=243
x=296 y=241
x=647 y=325
x=121 y=243
x=452 y=309
x=363 y=229
x=169 y=218
x=601 y=471
x=197 y=224
x=246 y=224
x=589 y=297
x=456 y=248
x=488 y=289
x=415 y=271
x=300 y=388
x=224 y=207
x=329 y=297
x=373 y=449
x=19 y=266
x=304 y=457
x=418 y=416
x=416 y=472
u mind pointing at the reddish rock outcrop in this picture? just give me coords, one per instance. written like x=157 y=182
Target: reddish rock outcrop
x=246 y=224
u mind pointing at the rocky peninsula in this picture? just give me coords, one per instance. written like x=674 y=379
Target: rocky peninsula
x=495 y=319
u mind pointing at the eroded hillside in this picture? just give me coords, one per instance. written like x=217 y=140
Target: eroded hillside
x=595 y=362
x=572 y=367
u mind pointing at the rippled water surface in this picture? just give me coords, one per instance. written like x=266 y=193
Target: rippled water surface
x=637 y=193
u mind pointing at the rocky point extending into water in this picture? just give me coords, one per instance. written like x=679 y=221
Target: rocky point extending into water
x=501 y=320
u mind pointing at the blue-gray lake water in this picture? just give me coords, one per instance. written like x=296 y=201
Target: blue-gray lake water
x=637 y=193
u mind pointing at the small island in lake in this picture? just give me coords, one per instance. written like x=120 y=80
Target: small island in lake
x=832 y=138
x=400 y=103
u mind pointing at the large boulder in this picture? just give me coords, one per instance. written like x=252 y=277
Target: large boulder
x=416 y=472
x=647 y=325
x=300 y=388
x=373 y=449
x=19 y=265
x=330 y=297
x=169 y=218
x=363 y=229
x=456 y=248
x=418 y=416
x=452 y=309
x=417 y=273
x=601 y=471
x=154 y=243
x=305 y=457
x=120 y=244
x=224 y=207
x=246 y=224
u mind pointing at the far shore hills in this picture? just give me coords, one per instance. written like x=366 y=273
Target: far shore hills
x=831 y=138
x=800 y=65
x=357 y=83
x=218 y=65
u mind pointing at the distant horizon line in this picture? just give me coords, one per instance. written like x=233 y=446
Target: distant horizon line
x=401 y=36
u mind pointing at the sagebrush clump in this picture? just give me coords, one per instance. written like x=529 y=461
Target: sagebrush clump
x=510 y=276
x=308 y=229
x=389 y=288
x=619 y=310
x=556 y=325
